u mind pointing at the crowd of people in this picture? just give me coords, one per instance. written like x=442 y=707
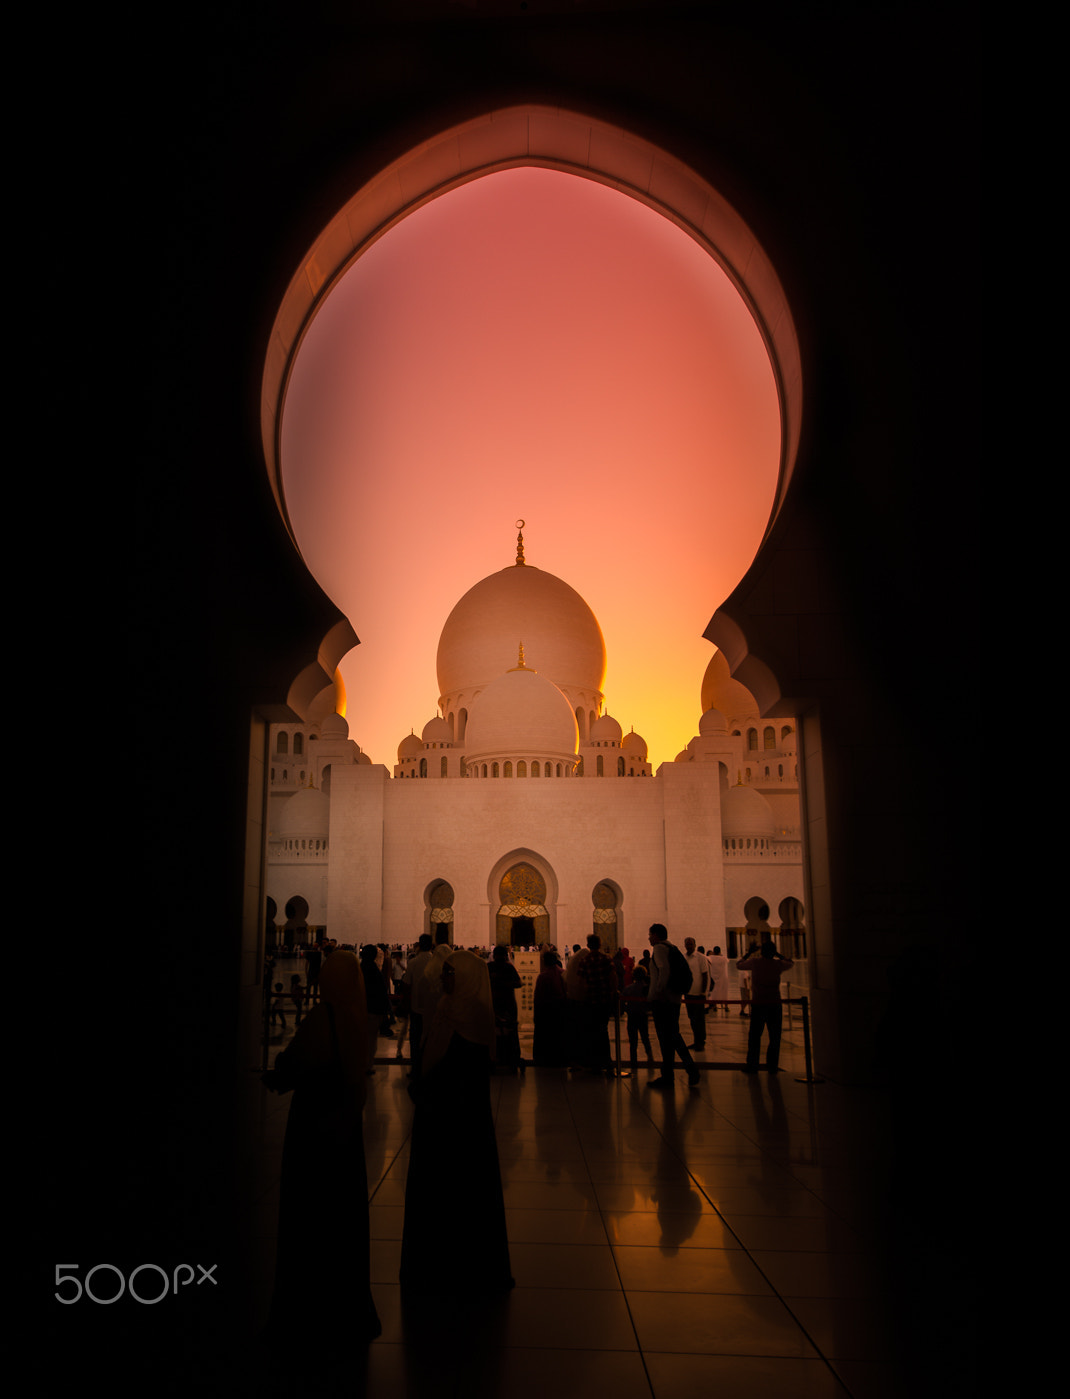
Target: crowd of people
x=575 y=996
x=460 y=1011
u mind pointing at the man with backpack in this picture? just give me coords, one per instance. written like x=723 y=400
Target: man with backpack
x=670 y=981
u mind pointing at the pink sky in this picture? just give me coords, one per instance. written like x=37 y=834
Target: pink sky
x=531 y=345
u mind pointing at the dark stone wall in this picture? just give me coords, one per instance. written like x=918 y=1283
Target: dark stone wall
x=193 y=162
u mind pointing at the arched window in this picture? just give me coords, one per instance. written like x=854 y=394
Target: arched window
x=601 y=766
x=521 y=769
x=770 y=737
x=752 y=740
x=464 y=768
x=494 y=770
x=535 y=770
x=299 y=745
x=423 y=767
x=443 y=768
x=620 y=767
x=507 y=770
x=283 y=744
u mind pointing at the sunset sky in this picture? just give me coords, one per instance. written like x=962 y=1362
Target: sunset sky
x=531 y=345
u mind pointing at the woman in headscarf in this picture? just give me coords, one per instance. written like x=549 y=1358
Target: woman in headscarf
x=454 y=1237
x=549 y=1005
x=325 y=1066
x=504 y=983
x=376 y=999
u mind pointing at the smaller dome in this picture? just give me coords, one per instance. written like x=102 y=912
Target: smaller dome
x=409 y=747
x=334 y=726
x=306 y=813
x=521 y=714
x=634 y=743
x=605 y=729
x=684 y=757
x=362 y=757
x=712 y=722
x=720 y=691
x=745 y=812
x=436 y=730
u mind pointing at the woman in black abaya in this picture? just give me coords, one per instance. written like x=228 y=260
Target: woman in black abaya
x=454 y=1208
x=325 y=1066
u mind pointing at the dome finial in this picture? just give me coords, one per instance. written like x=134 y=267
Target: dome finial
x=520 y=658
x=520 y=543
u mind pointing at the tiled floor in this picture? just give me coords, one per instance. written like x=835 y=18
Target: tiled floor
x=727 y=1240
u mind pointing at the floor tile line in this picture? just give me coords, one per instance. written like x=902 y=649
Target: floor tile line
x=615 y=1084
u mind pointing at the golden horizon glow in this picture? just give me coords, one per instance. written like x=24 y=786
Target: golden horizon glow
x=531 y=345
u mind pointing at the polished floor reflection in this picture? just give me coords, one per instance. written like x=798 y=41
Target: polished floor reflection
x=726 y=1240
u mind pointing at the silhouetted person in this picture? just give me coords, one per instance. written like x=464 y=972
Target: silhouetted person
x=634 y=998
x=376 y=998
x=599 y=977
x=666 y=991
x=504 y=982
x=454 y=1240
x=695 y=1001
x=415 y=969
x=325 y=1256
x=766 y=1009
x=549 y=1045
x=718 y=992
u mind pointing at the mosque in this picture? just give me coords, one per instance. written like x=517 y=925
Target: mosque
x=524 y=813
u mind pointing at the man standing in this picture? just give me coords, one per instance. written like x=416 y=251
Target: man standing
x=695 y=1000
x=664 y=997
x=412 y=979
x=766 y=1010
x=718 y=992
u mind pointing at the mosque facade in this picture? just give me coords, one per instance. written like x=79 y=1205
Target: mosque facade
x=523 y=812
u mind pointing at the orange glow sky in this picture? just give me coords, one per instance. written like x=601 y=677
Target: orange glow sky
x=531 y=345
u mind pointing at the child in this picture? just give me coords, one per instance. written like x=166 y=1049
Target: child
x=635 y=1008
x=297 y=995
x=278 y=1006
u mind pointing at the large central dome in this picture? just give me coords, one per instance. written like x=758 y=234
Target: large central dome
x=521 y=605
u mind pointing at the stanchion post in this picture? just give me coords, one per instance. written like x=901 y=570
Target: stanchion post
x=804 y=1002
x=264 y=1028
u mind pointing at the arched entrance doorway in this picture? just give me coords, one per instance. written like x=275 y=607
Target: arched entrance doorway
x=552 y=140
x=295 y=930
x=439 y=908
x=792 y=929
x=522 y=919
x=606 y=915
